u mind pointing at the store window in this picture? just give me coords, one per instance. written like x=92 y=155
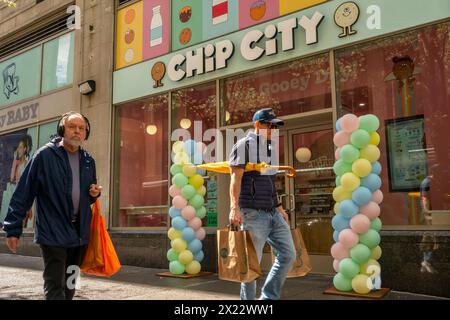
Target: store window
x=141 y=155
x=57 y=68
x=404 y=80
x=294 y=87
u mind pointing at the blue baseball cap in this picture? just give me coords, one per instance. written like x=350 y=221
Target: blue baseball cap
x=267 y=115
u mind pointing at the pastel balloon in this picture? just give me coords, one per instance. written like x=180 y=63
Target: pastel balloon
x=340 y=194
x=348 y=268
x=336 y=265
x=349 y=123
x=188 y=192
x=200 y=234
x=179 y=180
x=176 y=267
x=376 y=167
x=189 y=169
x=377 y=196
x=360 y=223
x=190 y=147
x=376 y=253
x=174 y=212
x=339 y=222
x=341 y=167
x=374 y=138
x=338 y=251
x=337 y=153
x=179 y=223
x=336 y=207
x=349 y=153
x=195 y=246
x=359 y=284
x=178 y=146
x=197 y=201
x=371 y=182
x=369 y=122
x=348 y=208
x=188 y=212
x=188 y=234
x=172 y=255
x=201 y=191
x=303 y=155
x=371 y=210
x=371 y=238
x=178 y=245
x=371 y=153
x=361 y=167
x=173 y=234
x=348 y=238
x=341 y=138
x=174 y=191
x=199 y=256
x=201 y=212
x=361 y=196
x=201 y=147
x=376 y=224
x=364 y=269
x=194 y=267
x=360 y=253
x=179 y=202
x=336 y=236
x=176 y=168
x=180 y=158
x=342 y=283
x=196 y=181
x=360 y=138
x=338 y=181
x=350 y=181
x=195 y=223
x=338 y=125
x=185 y=257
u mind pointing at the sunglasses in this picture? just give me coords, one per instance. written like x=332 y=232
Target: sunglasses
x=270 y=125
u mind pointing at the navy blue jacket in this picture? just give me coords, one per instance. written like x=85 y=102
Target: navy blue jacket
x=48 y=178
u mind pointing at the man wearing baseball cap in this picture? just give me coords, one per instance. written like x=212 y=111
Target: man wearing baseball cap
x=255 y=206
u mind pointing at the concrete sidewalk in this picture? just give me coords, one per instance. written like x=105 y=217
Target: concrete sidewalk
x=22 y=279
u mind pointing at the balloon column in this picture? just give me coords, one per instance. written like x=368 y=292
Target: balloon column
x=187 y=192
x=358 y=196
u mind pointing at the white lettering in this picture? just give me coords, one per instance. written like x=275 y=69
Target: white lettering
x=248 y=52
x=310 y=26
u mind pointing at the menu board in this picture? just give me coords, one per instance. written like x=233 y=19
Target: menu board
x=406 y=153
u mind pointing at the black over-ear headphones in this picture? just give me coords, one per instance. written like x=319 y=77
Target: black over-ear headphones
x=60 y=129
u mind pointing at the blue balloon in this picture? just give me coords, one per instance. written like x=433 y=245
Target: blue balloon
x=376 y=167
x=339 y=222
x=199 y=256
x=336 y=236
x=195 y=246
x=190 y=146
x=179 y=223
x=348 y=208
x=371 y=182
x=188 y=234
x=338 y=126
x=361 y=196
x=174 y=212
x=197 y=158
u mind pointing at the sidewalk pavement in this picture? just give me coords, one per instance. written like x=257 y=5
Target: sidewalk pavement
x=21 y=278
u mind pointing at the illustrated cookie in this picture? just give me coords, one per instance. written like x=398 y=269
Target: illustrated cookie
x=129 y=55
x=185 y=14
x=158 y=72
x=129 y=16
x=346 y=16
x=129 y=36
x=258 y=10
x=185 y=35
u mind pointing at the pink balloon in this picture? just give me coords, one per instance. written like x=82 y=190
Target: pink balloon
x=201 y=147
x=179 y=202
x=174 y=191
x=339 y=252
x=195 y=223
x=371 y=210
x=348 y=238
x=349 y=123
x=336 y=153
x=360 y=223
x=188 y=213
x=336 y=265
x=341 y=138
x=377 y=196
x=200 y=234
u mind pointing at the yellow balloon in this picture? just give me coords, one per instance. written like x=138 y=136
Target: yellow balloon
x=178 y=146
x=364 y=268
x=196 y=181
x=374 y=138
x=376 y=253
x=201 y=191
x=340 y=194
x=359 y=284
x=185 y=257
x=371 y=153
x=362 y=167
x=194 y=267
x=189 y=169
x=174 y=234
x=336 y=208
x=178 y=245
x=181 y=158
x=350 y=181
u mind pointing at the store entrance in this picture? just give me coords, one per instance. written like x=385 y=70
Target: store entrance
x=308 y=197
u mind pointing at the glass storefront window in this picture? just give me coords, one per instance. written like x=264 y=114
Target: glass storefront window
x=141 y=177
x=294 y=87
x=404 y=80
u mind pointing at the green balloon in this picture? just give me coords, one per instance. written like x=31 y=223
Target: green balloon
x=360 y=138
x=360 y=253
x=172 y=255
x=201 y=213
x=349 y=153
x=342 y=283
x=376 y=224
x=197 y=201
x=340 y=167
x=348 y=268
x=338 y=181
x=180 y=180
x=371 y=238
x=369 y=122
x=176 y=168
x=176 y=267
x=188 y=191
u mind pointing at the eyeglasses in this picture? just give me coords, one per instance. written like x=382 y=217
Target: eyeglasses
x=270 y=125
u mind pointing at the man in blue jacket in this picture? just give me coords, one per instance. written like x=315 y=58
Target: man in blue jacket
x=254 y=203
x=61 y=176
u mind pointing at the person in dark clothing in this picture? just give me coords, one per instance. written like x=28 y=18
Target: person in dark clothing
x=61 y=176
x=255 y=206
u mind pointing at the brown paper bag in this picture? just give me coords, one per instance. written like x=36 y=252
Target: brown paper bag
x=236 y=254
x=302 y=264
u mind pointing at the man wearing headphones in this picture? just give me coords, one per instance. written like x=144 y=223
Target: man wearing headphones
x=61 y=176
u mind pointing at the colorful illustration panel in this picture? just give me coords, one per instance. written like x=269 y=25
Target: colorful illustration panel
x=129 y=35
x=253 y=12
x=187 y=17
x=289 y=6
x=220 y=17
x=156 y=32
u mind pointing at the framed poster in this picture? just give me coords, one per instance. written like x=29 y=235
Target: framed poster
x=406 y=153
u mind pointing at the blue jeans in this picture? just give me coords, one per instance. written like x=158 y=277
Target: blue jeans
x=271 y=227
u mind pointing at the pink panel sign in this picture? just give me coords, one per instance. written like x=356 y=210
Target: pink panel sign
x=253 y=12
x=156 y=25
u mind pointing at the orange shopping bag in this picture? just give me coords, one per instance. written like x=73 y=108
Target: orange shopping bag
x=100 y=258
